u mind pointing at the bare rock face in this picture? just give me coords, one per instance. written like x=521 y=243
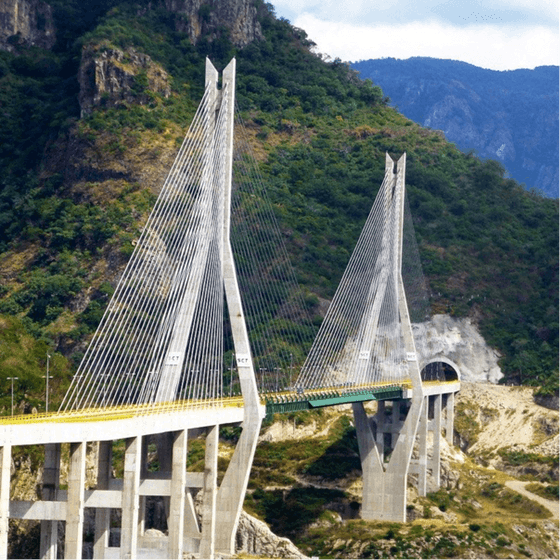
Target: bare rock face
x=27 y=22
x=109 y=77
x=457 y=340
x=205 y=18
x=255 y=538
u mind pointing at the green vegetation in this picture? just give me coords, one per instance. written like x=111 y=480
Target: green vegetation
x=488 y=247
x=550 y=492
x=515 y=457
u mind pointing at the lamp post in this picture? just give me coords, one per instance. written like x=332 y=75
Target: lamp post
x=47 y=377
x=12 y=380
x=291 y=368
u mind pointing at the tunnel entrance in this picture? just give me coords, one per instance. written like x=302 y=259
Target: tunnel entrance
x=440 y=371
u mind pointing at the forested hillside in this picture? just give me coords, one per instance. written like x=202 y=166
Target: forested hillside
x=82 y=161
x=510 y=116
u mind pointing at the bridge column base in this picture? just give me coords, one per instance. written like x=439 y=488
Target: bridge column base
x=75 y=504
x=5 y=467
x=208 y=540
x=103 y=515
x=51 y=481
x=435 y=462
x=449 y=417
x=131 y=497
x=385 y=483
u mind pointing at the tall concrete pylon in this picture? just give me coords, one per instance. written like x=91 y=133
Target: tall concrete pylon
x=228 y=502
x=385 y=483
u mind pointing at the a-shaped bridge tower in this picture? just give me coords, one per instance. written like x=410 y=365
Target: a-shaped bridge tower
x=365 y=351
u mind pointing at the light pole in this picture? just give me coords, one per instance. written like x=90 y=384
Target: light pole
x=12 y=379
x=291 y=368
x=47 y=377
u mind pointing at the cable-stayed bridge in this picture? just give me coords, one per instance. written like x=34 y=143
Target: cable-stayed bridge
x=200 y=333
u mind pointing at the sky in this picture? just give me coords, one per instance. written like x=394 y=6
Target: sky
x=494 y=34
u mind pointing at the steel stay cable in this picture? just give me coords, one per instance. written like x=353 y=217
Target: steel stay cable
x=132 y=263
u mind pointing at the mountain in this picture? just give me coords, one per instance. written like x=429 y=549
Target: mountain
x=95 y=101
x=510 y=116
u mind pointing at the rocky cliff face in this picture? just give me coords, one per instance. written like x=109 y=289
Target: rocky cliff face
x=109 y=77
x=255 y=538
x=457 y=340
x=203 y=17
x=507 y=116
x=30 y=22
x=27 y=22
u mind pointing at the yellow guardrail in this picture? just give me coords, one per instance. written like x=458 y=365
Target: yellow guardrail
x=121 y=412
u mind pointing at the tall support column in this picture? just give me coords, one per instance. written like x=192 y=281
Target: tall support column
x=176 y=519
x=208 y=542
x=75 y=505
x=142 y=499
x=449 y=417
x=130 y=497
x=436 y=456
x=380 y=433
x=103 y=515
x=164 y=444
x=372 y=467
x=390 y=490
x=423 y=448
x=396 y=417
x=51 y=481
x=5 y=465
x=234 y=485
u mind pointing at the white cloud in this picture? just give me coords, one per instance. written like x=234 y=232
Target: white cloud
x=497 y=48
x=540 y=12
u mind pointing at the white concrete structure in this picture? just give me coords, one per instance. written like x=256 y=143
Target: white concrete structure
x=387 y=461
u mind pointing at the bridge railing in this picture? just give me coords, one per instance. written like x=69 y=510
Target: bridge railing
x=121 y=412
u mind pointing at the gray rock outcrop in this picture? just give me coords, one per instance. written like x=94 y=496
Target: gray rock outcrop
x=109 y=77
x=204 y=18
x=457 y=340
x=255 y=538
x=27 y=22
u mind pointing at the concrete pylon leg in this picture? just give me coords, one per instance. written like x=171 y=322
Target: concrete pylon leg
x=234 y=485
x=176 y=519
x=208 y=542
x=75 y=504
x=372 y=468
x=5 y=466
x=436 y=455
x=380 y=421
x=103 y=515
x=131 y=498
x=449 y=417
x=396 y=417
x=51 y=481
x=423 y=448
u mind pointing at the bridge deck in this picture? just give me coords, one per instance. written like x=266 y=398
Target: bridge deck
x=126 y=421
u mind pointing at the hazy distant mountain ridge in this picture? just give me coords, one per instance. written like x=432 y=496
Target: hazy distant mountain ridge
x=510 y=116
